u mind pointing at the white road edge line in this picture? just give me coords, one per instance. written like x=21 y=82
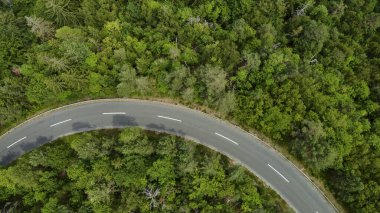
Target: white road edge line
x=60 y=122
x=278 y=173
x=113 y=113
x=226 y=138
x=160 y=116
x=16 y=142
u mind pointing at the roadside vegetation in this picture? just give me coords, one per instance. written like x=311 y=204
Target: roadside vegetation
x=304 y=73
x=131 y=170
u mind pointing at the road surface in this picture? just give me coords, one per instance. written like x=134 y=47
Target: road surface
x=239 y=145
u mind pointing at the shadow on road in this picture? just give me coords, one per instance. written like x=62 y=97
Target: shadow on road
x=118 y=121
x=16 y=151
x=162 y=128
x=9 y=157
x=82 y=126
x=123 y=121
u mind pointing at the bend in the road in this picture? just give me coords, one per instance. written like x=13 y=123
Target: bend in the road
x=237 y=144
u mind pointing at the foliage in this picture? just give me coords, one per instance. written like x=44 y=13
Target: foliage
x=108 y=171
x=305 y=73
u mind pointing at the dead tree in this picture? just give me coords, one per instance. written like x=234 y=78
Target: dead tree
x=302 y=9
x=152 y=195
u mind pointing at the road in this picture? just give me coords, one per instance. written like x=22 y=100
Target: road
x=239 y=145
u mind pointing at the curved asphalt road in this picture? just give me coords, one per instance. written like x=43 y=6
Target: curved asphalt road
x=263 y=161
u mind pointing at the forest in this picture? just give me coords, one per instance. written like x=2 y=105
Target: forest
x=305 y=73
x=131 y=170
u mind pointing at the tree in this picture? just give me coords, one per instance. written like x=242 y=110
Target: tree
x=9 y=207
x=144 y=85
x=97 y=12
x=41 y=28
x=53 y=64
x=167 y=146
x=127 y=85
x=101 y=195
x=227 y=104
x=134 y=142
x=312 y=38
x=74 y=81
x=305 y=73
x=87 y=148
x=53 y=206
x=163 y=172
x=38 y=90
x=53 y=178
x=215 y=82
x=275 y=123
x=71 y=34
x=14 y=40
x=75 y=51
x=60 y=11
x=179 y=80
x=131 y=84
x=152 y=196
x=12 y=101
x=189 y=95
x=310 y=144
x=302 y=8
x=96 y=83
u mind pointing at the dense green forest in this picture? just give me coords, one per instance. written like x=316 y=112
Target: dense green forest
x=304 y=73
x=131 y=171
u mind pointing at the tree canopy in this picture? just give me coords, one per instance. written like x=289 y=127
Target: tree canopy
x=131 y=171
x=304 y=73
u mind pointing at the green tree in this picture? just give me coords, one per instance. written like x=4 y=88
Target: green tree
x=227 y=104
x=127 y=85
x=215 y=82
x=60 y=11
x=53 y=206
x=134 y=142
x=97 y=12
x=163 y=172
x=276 y=123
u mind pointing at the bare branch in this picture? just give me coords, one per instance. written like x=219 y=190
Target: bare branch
x=152 y=195
x=41 y=28
x=302 y=9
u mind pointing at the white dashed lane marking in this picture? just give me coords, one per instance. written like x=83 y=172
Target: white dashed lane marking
x=226 y=138
x=113 y=113
x=60 y=122
x=278 y=173
x=169 y=118
x=16 y=142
